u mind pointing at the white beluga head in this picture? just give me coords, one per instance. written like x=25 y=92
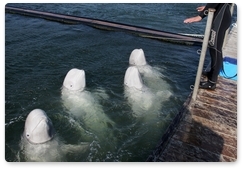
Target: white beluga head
x=75 y=80
x=38 y=127
x=84 y=104
x=137 y=58
x=40 y=143
x=133 y=78
x=139 y=96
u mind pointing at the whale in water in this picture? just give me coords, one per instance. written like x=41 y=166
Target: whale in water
x=40 y=143
x=140 y=97
x=38 y=127
x=152 y=76
x=75 y=80
x=84 y=104
x=137 y=58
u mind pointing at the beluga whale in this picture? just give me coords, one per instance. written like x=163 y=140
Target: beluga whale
x=38 y=127
x=75 y=80
x=152 y=76
x=139 y=96
x=85 y=105
x=40 y=143
x=137 y=58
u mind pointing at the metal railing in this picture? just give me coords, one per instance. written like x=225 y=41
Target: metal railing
x=203 y=52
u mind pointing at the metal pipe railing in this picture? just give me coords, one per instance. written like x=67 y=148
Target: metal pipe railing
x=203 y=52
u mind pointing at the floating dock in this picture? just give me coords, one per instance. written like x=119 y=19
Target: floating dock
x=205 y=130
x=108 y=25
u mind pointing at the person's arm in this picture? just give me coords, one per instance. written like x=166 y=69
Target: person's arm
x=204 y=11
x=193 y=19
x=200 y=8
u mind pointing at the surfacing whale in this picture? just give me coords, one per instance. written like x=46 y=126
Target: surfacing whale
x=83 y=104
x=152 y=76
x=140 y=97
x=40 y=143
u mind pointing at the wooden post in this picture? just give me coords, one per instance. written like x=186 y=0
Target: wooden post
x=203 y=52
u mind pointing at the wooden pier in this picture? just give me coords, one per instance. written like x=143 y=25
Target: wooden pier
x=206 y=129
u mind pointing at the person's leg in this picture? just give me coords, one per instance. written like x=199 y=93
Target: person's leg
x=220 y=24
x=216 y=62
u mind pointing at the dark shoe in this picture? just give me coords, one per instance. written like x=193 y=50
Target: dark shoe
x=207 y=85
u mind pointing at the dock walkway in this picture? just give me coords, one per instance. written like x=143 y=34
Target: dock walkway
x=207 y=131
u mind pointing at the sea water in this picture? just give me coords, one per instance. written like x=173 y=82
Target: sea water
x=39 y=53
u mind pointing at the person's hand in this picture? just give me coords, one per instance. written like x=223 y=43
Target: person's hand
x=200 y=8
x=193 y=19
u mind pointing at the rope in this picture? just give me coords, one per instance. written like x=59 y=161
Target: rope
x=225 y=75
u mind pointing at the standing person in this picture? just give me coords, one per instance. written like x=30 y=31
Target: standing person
x=221 y=22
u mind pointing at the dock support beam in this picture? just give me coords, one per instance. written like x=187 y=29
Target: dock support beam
x=203 y=52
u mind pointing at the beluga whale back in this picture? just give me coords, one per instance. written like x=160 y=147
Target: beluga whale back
x=140 y=97
x=83 y=104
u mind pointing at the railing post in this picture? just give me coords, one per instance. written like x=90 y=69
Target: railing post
x=203 y=52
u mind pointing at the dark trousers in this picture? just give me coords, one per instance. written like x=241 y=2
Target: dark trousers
x=221 y=23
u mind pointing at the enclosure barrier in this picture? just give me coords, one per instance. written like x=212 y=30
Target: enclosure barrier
x=108 y=25
x=203 y=52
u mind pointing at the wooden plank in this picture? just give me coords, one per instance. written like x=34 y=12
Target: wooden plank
x=208 y=130
x=230 y=49
x=230 y=136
